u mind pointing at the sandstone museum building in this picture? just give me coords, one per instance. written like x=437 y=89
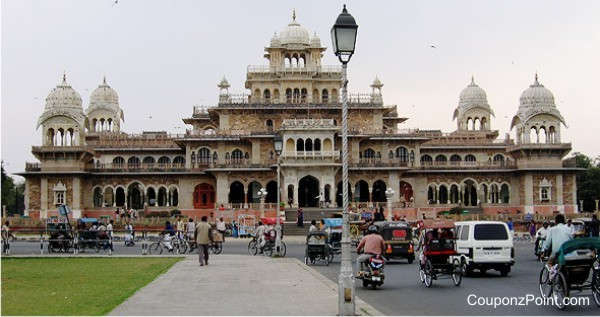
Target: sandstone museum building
x=227 y=154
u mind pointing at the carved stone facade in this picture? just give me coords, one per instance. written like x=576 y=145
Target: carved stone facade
x=228 y=152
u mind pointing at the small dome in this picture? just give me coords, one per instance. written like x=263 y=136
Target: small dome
x=376 y=83
x=294 y=33
x=63 y=96
x=104 y=95
x=473 y=95
x=537 y=96
x=275 y=40
x=315 y=41
x=224 y=84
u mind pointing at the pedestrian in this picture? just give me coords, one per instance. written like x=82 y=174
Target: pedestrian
x=117 y=214
x=300 y=221
x=595 y=226
x=510 y=225
x=190 y=228
x=532 y=229
x=221 y=228
x=203 y=239
x=109 y=231
x=180 y=227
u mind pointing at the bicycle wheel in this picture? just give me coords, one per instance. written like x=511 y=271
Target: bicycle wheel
x=559 y=291
x=596 y=284
x=155 y=248
x=217 y=248
x=428 y=274
x=183 y=247
x=282 y=249
x=456 y=272
x=252 y=248
x=544 y=283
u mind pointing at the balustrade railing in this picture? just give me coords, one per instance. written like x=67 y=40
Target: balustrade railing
x=312 y=154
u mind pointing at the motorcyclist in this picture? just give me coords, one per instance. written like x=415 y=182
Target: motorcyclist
x=371 y=244
x=541 y=235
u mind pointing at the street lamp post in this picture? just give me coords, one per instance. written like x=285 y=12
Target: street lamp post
x=389 y=193
x=262 y=194
x=278 y=144
x=343 y=37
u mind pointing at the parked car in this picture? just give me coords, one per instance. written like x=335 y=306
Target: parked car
x=485 y=245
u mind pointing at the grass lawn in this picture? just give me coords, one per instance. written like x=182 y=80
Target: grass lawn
x=74 y=286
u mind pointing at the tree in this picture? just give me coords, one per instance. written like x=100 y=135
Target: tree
x=588 y=181
x=12 y=194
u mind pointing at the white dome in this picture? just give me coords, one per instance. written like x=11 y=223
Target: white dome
x=63 y=96
x=473 y=95
x=294 y=33
x=104 y=95
x=537 y=96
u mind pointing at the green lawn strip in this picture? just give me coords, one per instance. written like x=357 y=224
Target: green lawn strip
x=74 y=286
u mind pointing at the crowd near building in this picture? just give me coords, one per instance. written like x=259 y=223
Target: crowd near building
x=227 y=154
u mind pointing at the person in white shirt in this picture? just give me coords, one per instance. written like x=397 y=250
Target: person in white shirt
x=260 y=235
x=179 y=226
x=556 y=236
x=109 y=231
x=540 y=235
x=190 y=229
x=221 y=228
x=313 y=226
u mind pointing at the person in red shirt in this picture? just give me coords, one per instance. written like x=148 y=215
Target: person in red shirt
x=372 y=244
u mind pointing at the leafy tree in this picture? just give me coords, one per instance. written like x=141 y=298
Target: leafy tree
x=588 y=181
x=12 y=194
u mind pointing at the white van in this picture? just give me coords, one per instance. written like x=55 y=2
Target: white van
x=485 y=245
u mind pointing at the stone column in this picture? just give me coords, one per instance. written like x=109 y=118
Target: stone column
x=76 y=208
x=255 y=158
x=559 y=193
x=44 y=198
x=26 y=199
x=222 y=190
x=296 y=192
x=528 y=199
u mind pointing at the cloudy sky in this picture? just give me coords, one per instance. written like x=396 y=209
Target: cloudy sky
x=163 y=57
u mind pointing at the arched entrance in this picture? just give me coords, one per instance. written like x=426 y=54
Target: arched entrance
x=339 y=194
x=271 y=192
x=253 y=189
x=379 y=191
x=361 y=191
x=204 y=196
x=236 y=193
x=120 y=197
x=135 y=196
x=406 y=191
x=470 y=194
x=308 y=192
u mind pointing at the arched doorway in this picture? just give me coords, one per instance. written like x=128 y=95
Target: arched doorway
x=406 y=191
x=135 y=196
x=271 y=192
x=361 y=191
x=379 y=191
x=151 y=196
x=327 y=194
x=339 y=194
x=253 y=189
x=470 y=194
x=236 y=193
x=204 y=196
x=308 y=192
x=120 y=197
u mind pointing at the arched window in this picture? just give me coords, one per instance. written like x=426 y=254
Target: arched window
x=173 y=196
x=379 y=188
x=498 y=159
x=179 y=161
x=552 y=135
x=455 y=159
x=303 y=94
x=494 y=194
x=118 y=162
x=431 y=194
x=533 y=136
x=476 y=124
x=133 y=162
x=269 y=125
x=267 y=96
x=369 y=154
x=504 y=194
x=308 y=145
x=299 y=145
x=162 y=197
x=334 y=95
x=315 y=96
x=443 y=194
x=325 y=96
x=98 y=199
x=109 y=198
x=470 y=158
x=454 y=194
x=288 y=95
x=237 y=156
x=426 y=160
x=203 y=156
x=164 y=161
x=317 y=145
x=440 y=160
x=469 y=124
x=483 y=123
x=542 y=135
x=148 y=161
x=296 y=96
x=151 y=196
x=402 y=154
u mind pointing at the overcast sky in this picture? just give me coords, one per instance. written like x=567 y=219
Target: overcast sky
x=163 y=57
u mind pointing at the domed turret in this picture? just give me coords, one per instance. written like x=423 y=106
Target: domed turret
x=537 y=115
x=315 y=41
x=63 y=120
x=275 y=42
x=294 y=33
x=473 y=111
x=104 y=111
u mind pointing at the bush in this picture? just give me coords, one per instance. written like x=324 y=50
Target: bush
x=175 y=212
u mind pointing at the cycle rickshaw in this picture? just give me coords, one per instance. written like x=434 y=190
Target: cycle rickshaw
x=575 y=259
x=439 y=257
x=317 y=248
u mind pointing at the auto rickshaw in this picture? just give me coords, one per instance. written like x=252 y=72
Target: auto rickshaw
x=398 y=239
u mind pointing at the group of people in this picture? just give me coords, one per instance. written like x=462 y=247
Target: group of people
x=264 y=233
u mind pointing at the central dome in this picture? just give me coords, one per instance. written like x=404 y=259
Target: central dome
x=294 y=33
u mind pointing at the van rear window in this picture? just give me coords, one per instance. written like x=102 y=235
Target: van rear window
x=490 y=231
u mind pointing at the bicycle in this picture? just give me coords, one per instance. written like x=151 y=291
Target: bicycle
x=157 y=247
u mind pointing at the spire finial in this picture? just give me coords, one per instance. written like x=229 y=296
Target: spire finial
x=472 y=80
x=64 y=77
x=294 y=15
x=104 y=79
x=344 y=9
x=536 y=79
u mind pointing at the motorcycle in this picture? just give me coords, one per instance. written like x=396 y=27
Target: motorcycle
x=373 y=275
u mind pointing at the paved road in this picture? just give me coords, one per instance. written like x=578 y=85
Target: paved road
x=402 y=294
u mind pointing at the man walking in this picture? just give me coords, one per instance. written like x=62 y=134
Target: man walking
x=203 y=238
